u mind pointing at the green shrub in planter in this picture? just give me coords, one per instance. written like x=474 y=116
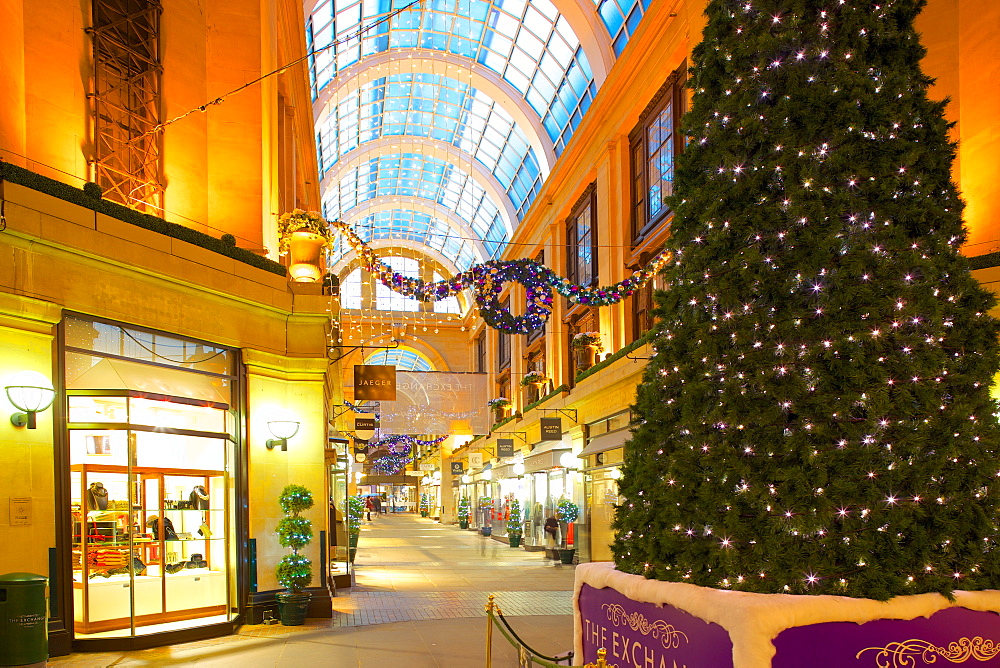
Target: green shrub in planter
x=294 y=571
x=514 y=527
x=464 y=511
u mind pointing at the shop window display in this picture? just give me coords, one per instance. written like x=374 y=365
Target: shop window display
x=149 y=521
x=151 y=481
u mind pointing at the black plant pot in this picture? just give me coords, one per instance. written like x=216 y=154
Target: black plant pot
x=566 y=555
x=487 y=531
x=292 y=608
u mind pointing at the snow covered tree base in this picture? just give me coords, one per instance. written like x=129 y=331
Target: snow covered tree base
x=659 y=624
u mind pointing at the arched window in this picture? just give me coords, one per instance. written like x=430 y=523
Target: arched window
x=448 y=304
x=387 y=299
x=405 y=359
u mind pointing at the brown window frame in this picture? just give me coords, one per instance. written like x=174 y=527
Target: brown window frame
x=641 y=301
x=574 y=264
x=579 y=319
x=504 y=344
x=670 y=95
x=480 y=352
x=538 y=333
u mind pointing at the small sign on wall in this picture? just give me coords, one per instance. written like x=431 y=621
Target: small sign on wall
x=20 y=511
x=551 y=429
x=364 y=427
x=505 y=447
x=374 y=382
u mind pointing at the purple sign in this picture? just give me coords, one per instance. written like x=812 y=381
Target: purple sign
x=644 y=635
x=951 y=636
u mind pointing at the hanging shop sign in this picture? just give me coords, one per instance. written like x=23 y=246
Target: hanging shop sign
x=364 y=428
x=457 y=468
x=551 y=429
x=505 y=447
x=475 y=460
x=374 y=382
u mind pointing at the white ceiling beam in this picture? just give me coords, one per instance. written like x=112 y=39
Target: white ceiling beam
x=420 y=204
x=593 y=35
x=423 y=146
x=430 y=61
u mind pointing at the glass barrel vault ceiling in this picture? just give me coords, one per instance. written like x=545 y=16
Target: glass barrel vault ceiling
x=480 y=171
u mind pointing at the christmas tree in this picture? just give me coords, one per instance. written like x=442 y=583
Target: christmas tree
x=817 y=417
x=514 y=521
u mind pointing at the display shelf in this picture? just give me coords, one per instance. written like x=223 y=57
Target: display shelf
x=116 y=538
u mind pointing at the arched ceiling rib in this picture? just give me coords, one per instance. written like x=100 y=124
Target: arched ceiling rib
x=594 y=37
x=454 y=225
x=426 y=61
x=389 y=245
x=427 y=149
x=426 y=177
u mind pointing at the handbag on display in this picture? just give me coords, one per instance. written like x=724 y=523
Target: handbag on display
x=198 y=499
x=97 y=497
x=154 y=523
x=204 y=531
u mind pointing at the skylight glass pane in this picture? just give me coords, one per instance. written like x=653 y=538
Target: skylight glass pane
x=402 y=358
x=613 y=13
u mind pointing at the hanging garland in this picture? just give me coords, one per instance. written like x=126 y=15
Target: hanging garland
x=400 y=446
x=390 y=464
x=486 y=282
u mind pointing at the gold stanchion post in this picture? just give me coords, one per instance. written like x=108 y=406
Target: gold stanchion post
x=489 y=632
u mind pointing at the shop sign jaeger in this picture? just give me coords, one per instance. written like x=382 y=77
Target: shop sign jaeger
x=374 y=382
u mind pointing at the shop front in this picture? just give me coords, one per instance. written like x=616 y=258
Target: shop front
x=153 y=473
x=339 y=469
x=548 y=482
x=513 y=485
x=603 y=457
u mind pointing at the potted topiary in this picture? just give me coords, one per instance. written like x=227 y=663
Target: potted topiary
x=586 y=345
x=534 y=378
x=425 y=505
x=566 y=513
x=500 y=407
x=514 y=527
x=463 y=513
x=302 y=235
x=294 y=571
x=355 y=514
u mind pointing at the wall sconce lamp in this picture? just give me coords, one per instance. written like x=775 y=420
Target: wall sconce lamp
x=518 y=469
x=31 y=393
x=466 y=479
x=282 y=430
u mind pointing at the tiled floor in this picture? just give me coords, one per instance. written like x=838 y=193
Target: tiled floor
x=418 y=602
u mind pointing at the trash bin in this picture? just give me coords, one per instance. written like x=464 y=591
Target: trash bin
x=23 y=619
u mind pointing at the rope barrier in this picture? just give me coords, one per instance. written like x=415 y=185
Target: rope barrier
x=527 y=657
